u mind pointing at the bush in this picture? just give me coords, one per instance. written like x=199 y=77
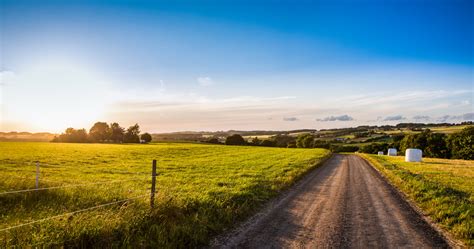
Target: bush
x=284 y=140
x=267 y=143
x=461 y=144
x=341 y=148
x=213 y=141
x=432 y=144
x=146 y=137
x=321 y=144
x=235 y=139
x=304 y=141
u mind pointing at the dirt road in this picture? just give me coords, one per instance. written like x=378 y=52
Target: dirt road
x=343 y=204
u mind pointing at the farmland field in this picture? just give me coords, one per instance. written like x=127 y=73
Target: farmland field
x=201 y=190
x=442 y=188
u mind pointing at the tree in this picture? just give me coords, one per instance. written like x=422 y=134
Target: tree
x=283 y=140
x=255 y=141
x=213 y=141
x=304 y=141
x=321 y=144
x=146 y=137
x=267 y=143
x=116 y=133
x=437 y=146
x=432 y=144
x=235 y=139
x=374 y=148
x=99 y=132
x=461 y=144
x=72 y=135
x=343 y=148
x=131 y=135
x=418 y=141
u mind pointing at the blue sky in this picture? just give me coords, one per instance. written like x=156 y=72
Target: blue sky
x=218 y=65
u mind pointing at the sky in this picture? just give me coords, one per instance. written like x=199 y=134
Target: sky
x=242 y=65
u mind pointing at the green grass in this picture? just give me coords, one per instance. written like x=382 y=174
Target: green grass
x=437 y=129
x=442 y=188
x=448 y=129
x=201 y=190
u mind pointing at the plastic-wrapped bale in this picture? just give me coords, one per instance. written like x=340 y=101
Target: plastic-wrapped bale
x=380 y=153
x=392 y=152
x=413 y=155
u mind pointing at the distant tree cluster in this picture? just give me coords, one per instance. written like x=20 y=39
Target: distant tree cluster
x=282 y=141
x=458 y=145
x=101 y=132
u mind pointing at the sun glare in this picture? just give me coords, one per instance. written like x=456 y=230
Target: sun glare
x=54 y=96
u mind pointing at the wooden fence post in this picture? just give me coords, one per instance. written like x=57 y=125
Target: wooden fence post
x=153 y=184
x=37 y=174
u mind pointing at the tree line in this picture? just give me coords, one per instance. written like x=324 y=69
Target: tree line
x=101 y=132
x=458 y=145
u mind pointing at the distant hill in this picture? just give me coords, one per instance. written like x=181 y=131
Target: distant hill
x=26 y=136
x=358 y=134
x=349 y=135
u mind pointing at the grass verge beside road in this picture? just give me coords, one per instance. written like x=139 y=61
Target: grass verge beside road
x=443 y=189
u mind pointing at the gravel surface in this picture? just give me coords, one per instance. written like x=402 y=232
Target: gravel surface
x=343 y=204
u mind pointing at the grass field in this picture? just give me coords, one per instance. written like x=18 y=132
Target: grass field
x=442 y=188
x=440 y=129
x=201 y=190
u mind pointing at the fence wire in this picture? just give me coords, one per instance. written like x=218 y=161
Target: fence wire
x=67 y=186
x=71 y=213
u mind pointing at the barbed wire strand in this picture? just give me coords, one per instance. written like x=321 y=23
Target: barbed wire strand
x=66 y=186
x=71 y=213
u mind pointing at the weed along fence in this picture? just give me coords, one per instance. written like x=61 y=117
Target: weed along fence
x=43 y=188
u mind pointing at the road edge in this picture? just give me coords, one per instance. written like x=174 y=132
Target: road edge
x=222 y=239
x=451 y=241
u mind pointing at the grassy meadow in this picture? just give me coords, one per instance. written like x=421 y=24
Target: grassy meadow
x=201 y=190
x=442 y=188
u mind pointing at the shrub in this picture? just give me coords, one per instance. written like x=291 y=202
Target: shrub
x=235 y=139
x=146 y=137
x=267 y=143
x=461 y=144
x=304 y=141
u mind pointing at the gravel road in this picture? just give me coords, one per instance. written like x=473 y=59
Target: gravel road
x=343 y=204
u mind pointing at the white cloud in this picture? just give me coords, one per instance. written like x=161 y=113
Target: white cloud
x=394 y=118
x=463 y=117
x=290 y=119
x=344 y=117
x=421 y=118
x=205 y=81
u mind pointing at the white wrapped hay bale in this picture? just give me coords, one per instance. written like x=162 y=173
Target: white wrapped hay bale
x=380 y=153
x=413 y=155
x=392 y=152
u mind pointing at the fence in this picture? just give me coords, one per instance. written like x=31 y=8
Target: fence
x=37 y=189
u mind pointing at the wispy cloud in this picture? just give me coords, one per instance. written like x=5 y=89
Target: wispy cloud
x=462 y=117
x=205 y=81
x=421 y=118
x=171 y=100
x=290 y=119
x=400 y=97
x=394 y=118
x=344 y=117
